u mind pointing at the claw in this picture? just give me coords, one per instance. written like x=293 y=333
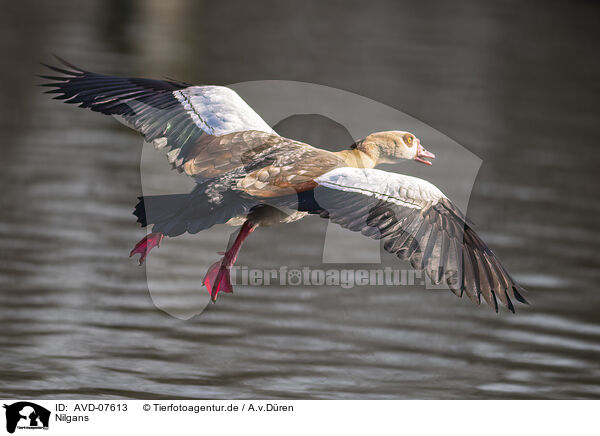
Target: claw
x=144 y=247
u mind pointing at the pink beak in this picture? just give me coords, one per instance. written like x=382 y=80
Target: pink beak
x=422 y=154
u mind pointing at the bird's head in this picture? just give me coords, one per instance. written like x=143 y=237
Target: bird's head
x=393 y=146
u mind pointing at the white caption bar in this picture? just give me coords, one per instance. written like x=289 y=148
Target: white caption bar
x=298 y=417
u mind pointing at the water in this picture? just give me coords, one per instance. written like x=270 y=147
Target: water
x=522 y=94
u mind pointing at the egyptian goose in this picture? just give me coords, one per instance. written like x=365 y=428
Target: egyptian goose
x=247 y=174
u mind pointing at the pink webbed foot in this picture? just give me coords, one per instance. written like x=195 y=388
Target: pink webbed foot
x=144 y=247
x=217 y=278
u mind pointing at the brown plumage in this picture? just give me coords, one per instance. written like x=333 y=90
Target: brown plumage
x=247 y=174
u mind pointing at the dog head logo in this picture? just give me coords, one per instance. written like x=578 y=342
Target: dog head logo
x=26 y=415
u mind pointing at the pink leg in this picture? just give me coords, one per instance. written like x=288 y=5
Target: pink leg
x=145 y=245
x=217 y=277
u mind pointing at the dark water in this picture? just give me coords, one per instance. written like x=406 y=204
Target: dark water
x=517 y=85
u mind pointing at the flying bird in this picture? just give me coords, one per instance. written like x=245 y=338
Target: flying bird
x=247 y=175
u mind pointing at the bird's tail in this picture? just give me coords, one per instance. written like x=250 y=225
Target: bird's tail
x=154 y=209
x=175 y=214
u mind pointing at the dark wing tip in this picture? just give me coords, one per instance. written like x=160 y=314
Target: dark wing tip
x=509 y=303
x=519 y=291
x=503 y=287
x=61 y=80
x=68 y=64
x=494 y=301
x=62 y=71
x=71 y=73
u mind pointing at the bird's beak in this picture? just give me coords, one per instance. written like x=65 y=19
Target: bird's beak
x=422 y=154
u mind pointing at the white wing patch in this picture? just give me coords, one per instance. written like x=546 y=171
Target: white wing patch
x=403 y=190
x=218 y=110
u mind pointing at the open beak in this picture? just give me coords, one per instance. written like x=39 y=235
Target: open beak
x=422 y=154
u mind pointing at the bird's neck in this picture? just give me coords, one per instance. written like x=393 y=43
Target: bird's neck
x=360 y=157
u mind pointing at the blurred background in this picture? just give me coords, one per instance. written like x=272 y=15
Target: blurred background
x=516 y=83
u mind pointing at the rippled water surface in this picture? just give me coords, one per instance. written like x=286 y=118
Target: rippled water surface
x=522 y=94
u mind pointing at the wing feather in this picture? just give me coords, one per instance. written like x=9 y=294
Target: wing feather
x=416 y=222
x=175 y=116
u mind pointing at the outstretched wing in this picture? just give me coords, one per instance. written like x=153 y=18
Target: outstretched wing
x=416 y=222
x=174 y=116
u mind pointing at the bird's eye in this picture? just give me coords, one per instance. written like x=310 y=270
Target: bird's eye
x=408 y=139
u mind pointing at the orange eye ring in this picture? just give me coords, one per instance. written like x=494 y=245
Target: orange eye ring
x=408 y=139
